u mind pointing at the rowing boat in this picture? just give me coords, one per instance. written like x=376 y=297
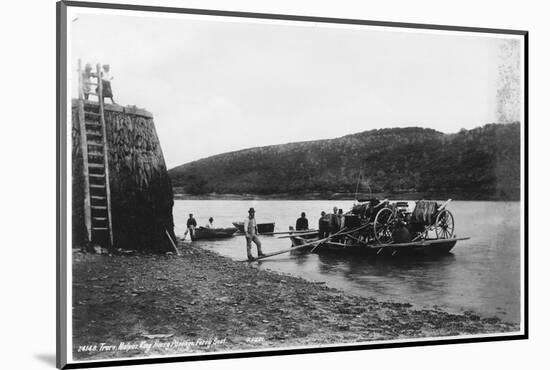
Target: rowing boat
x=218 y=233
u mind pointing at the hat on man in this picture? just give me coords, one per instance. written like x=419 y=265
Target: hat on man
x=251 y=210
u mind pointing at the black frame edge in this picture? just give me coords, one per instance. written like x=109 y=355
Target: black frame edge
x=526 y=181
x=288 y=17
x=286 y=352
x=61 y=191
x=61 y=151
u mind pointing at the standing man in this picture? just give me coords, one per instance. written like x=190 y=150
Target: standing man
x=324 y=225
x=302 y=223
x=191 y=225
x=334 y=221
x=341 y=223
x=251 y=234
x=106 y=79
x=87 y=80
x=341 y=219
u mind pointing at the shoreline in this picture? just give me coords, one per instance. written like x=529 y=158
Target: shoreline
x=200 y=301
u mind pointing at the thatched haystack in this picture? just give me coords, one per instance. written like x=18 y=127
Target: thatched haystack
x=141 y=191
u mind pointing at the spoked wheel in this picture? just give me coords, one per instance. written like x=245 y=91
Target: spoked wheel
x=444 y=225
x=383 y=226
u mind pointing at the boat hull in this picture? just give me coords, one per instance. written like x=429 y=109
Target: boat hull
x=421 y=248
x=219 y=233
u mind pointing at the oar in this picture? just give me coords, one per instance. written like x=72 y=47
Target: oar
x=418 y=243
x=298 y=233
x=442 y=207
x=359 y=240
x=341 y=232
x=281 y=252
x=290 y=249
x=172 y=242
x=294 y=232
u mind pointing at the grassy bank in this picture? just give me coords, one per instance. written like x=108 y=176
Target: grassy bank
x=199 y=302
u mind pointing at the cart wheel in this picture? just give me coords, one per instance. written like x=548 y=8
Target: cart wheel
x=444 y=225
x=383 y=226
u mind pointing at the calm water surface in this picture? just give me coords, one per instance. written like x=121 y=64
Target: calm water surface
x=481 y=274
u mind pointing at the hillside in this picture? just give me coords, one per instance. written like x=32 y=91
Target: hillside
x=482 y=163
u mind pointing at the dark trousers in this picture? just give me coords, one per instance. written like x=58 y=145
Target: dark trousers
x=324 y=230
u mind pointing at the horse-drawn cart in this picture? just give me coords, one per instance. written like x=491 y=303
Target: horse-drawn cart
x=390 y=228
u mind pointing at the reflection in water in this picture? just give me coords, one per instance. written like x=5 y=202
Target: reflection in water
x=393 y=277
x=482 y=274
x=299 y=257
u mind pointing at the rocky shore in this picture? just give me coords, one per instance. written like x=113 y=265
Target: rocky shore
x=141 y=305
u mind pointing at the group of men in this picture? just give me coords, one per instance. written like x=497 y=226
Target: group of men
x=192 y=225
x=329 y=223
x=250 y=232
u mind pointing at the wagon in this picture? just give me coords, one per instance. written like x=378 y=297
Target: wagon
x=428 y=220
x=391 y=228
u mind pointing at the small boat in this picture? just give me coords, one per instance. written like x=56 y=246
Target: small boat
x=264 y=228
x=217 y=233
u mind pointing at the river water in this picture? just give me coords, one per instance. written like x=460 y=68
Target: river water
x=482 y=274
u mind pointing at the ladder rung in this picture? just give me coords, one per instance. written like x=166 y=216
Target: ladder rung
x=100 y=228
x=92 y=123
x=97 y=197
x=95 y=154
x=100 y=218
x=98 y=207
x=97 y=175
x=96 y=186
x=93 y=133
x=95 y=143
x=95 y=165
x=93 y=114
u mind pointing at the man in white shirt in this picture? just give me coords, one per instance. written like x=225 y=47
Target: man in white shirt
x=210 y=224
x=251 y=234
x=106 y=79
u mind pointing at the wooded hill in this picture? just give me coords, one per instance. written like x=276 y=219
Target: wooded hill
x=482 y=163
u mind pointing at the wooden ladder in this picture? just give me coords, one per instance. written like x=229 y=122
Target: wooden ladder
x=93 y=142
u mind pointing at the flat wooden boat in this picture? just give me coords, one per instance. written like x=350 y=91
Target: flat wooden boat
x=263 y=228
x=217 y=233
x=421 y=247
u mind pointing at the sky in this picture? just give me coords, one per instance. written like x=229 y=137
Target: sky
x=215 y=85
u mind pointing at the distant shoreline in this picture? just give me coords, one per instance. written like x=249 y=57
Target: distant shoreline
x=399 y=163
x=342 y=196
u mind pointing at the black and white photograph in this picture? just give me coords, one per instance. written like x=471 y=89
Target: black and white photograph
x=238 y=184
